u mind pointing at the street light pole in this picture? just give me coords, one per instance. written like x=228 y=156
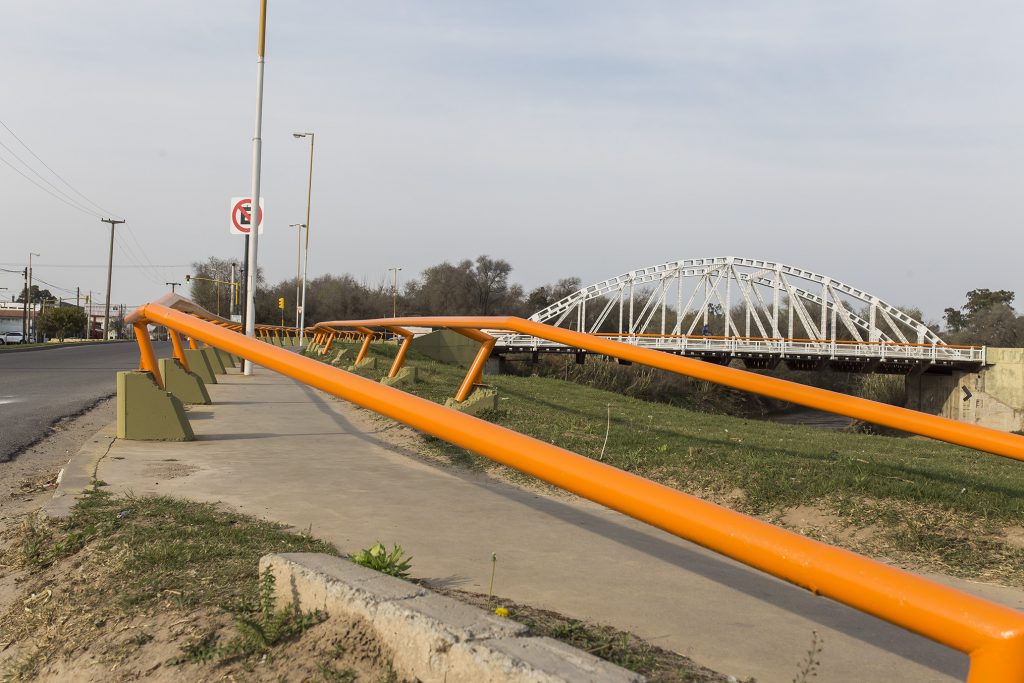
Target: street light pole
x=394 y=293
x=257 y=149
x=298 y=273
x=110 y=267
x=305 y=264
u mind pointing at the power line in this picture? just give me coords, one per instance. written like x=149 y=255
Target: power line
x=56 y=189
x=57 y=175
x=91 y=265
x=43 y=188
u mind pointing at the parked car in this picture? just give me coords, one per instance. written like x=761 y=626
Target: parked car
x=12 y=338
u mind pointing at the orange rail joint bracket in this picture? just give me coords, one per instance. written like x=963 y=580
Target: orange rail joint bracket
x=990 y=634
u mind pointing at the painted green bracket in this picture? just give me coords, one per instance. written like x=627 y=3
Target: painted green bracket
x=199 y=363
x=187 y=386
x=226 y=359
x=407 y=376
x=482 y=400
x=145 y=412
x=215 y=363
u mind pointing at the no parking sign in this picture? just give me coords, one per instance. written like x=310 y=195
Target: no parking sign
x=241 y=215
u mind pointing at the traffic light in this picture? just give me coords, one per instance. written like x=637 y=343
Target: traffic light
x=187 y=278
x=280 y=303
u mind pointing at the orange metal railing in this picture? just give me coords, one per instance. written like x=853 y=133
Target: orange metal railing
x=943 y=429
x=990 y=634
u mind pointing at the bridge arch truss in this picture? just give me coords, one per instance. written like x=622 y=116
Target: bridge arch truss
x=758 y=310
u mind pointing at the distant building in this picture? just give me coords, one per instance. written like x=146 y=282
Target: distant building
x=11 y=320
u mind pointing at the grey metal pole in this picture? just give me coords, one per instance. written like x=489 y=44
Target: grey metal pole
x=305 y=263
x=254 y=221
x=28 y=296
x=298 y=271
x=110 y=268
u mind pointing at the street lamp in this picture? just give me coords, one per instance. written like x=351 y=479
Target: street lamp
x=305 y=266
x=394 y=293
x=298 y=271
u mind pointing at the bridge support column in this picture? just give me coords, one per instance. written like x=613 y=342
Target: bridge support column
x=991 y=397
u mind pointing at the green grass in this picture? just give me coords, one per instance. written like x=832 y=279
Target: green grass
x=942 y=505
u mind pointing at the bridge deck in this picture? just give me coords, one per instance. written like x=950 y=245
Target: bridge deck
x=805 y=354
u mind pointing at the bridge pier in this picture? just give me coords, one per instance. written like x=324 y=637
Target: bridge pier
x=990 y=397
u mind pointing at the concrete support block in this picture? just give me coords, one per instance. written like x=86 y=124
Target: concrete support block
x=226 y=359
x=482 y=400
x=341 y=357
x=368 y=363
x=199 y=363
x=188 y=387
x=214 y=359
x=147 y=413
x=432 y=638
x=407 y=376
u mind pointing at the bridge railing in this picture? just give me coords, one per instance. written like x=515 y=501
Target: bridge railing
x=774 y=346
x=990 y=634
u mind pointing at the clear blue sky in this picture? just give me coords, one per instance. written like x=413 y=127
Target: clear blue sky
x=879 y=143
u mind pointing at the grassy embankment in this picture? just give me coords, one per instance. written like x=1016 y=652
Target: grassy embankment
x=923 y=504
x=129 y=588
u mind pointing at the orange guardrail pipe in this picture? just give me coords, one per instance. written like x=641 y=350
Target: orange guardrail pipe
x=990 y=634
x=903 y=419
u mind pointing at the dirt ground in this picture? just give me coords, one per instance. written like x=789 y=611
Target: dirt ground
x=164 y=643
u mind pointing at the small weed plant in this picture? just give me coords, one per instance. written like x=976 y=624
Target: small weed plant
x=394 y=563
x=258 y=632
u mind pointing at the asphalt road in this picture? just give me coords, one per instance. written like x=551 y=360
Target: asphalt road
x=39 y=387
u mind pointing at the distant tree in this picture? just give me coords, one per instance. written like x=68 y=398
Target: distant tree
x=545 y=295
x=216 y=296
x=466 y=288
x=987 y=318
x=61 y=321
x=37 y=294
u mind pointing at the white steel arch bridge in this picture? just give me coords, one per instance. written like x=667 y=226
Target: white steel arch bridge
x=761 y=312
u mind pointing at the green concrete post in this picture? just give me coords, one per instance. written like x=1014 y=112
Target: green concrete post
x=199 y=363
x=187 y=386
x=215 y=364
x=146 y=412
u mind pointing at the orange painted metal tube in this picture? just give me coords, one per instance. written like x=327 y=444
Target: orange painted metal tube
x=147 y=359
x=365 y=348
x=992 y=635
x=476 y=369
x=403 y=350
x=327 y=344
x=933 y=426
x=179 y=352
x=192 y=343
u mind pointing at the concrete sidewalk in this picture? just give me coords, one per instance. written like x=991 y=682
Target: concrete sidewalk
x=277 y=449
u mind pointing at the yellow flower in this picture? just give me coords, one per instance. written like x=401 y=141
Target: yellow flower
x=501 y=611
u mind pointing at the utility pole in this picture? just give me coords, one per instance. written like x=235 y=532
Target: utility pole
x=173 y=285
x=110 y=268
x=78 y=301
x=28 y=294
x=394 y=293
x=257 y=149
x=24 y=309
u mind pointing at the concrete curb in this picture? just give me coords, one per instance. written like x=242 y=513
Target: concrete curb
x=433 y=638
x=80 y=471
